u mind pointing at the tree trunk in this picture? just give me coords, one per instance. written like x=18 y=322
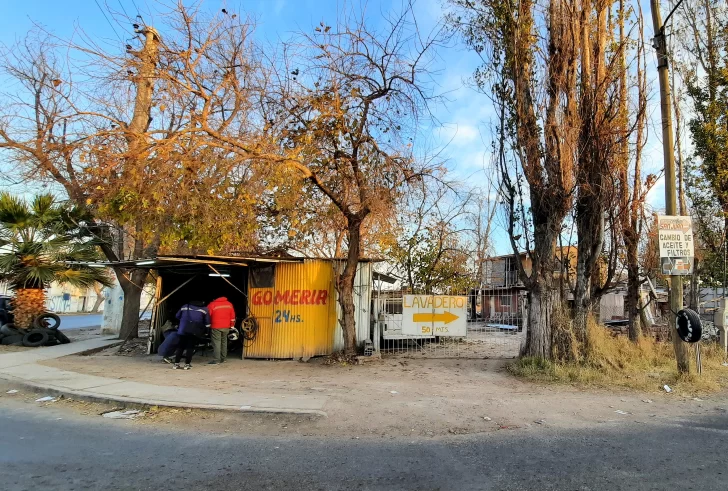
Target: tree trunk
x=633 y=283
x=694 y=295
x=538 y=336
x=345 y=284
x=99 y=290
x=132 y=299
x=28 y=303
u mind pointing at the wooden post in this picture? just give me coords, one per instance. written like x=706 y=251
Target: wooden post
x=668 y=142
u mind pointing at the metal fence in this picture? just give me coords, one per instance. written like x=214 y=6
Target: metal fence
x=494 y=326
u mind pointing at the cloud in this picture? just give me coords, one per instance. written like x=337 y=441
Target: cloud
x=459 y=135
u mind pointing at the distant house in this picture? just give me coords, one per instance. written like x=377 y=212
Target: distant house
x=504 y=295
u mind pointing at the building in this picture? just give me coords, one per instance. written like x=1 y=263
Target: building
x=63 y=298
x=504 y=295
x=288 y=305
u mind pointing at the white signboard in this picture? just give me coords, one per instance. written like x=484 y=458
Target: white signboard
x=675 y=236
x=434 y=315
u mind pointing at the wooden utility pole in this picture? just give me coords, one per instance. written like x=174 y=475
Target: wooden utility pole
x=668 y=143
x=131 y=281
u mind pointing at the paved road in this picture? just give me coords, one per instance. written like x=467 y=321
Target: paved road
x=39 y=452
x=69 y=322
x=79 y=321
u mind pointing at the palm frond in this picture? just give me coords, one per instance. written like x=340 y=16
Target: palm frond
x=40 y=240
x=83 y=277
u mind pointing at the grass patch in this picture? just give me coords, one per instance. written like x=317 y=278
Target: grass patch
x=616 y=362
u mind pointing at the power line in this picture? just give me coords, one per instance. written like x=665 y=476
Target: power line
x=122 y=8
x=107 y=20
x=135 y=6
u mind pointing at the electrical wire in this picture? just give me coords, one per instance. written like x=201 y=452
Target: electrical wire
x=107 y=20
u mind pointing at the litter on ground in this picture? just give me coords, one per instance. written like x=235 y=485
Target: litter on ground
x=667 y=388
x=14 y=391
x=130 y=414
x=46 y=399
x=619 y=411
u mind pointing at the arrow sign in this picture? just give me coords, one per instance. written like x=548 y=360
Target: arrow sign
x=446 y=317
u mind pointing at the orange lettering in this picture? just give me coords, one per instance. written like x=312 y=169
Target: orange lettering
x=283 y=297
x=306 y=296
x=322 y=296
x=257 y=300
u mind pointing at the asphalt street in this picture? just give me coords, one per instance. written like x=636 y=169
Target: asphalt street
x=46 y=448
x=69 y=322
x=80 y=321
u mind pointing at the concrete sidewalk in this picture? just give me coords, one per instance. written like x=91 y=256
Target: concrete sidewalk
x=22 y=368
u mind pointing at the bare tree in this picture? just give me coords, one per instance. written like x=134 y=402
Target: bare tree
x=121 y=133
x=536 y=139
x=341 y=111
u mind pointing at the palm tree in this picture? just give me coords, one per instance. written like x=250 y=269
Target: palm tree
x=41 y=242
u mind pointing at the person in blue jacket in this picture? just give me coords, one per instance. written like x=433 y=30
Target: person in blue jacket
x=194 y=321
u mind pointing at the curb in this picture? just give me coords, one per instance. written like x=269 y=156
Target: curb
x=92 y=351
x=136 y=403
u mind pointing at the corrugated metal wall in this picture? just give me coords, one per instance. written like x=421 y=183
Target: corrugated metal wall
x=297 y=316
x=362 y=305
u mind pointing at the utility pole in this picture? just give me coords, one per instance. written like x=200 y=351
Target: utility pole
x=136 y=135
x=668 y=143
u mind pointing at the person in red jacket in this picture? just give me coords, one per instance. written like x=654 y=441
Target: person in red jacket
x=222 y=315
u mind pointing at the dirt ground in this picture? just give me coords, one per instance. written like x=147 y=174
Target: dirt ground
x=394 y=397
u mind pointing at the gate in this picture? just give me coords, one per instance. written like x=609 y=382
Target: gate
x=495 y=326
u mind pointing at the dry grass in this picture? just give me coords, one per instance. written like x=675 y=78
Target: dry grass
x=616 y=362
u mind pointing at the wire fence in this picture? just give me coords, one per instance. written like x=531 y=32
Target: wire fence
x=481 y=324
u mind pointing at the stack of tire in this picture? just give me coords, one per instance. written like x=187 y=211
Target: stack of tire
x=45 y=332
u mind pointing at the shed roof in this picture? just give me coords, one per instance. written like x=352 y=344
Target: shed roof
x=177 y=260
x=164 y=261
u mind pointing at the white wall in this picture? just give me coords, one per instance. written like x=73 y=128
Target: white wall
x=114 y=306
x=64 y=298
x=362 y=305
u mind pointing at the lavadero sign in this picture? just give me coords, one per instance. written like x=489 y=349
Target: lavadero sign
x=434 y=315
x=677 y=249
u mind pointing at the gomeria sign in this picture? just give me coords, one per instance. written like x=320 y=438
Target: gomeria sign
x=675 y=237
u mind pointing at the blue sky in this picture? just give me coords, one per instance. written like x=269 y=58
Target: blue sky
x=465 y=117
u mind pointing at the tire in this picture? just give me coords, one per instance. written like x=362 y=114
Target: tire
x=689 y=326
x=10 y=330
x=47 y=321
x=62 y=338
x=35 y=338
x=14 y=340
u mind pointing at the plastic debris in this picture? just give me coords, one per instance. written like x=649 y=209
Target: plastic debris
x=667 y=388
x=243 y=408
x=619 y=411
x=540 y=421
x=725 y=363
x=130 y=414
x=14 y=391
x=487 y=418
x=393 y=392
x=697 y=399
x=46 y=399
x=647 y=401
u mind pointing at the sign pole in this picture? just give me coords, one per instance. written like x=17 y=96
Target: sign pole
x=676 y=287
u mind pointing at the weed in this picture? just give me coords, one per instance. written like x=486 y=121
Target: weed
x=614 y=361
